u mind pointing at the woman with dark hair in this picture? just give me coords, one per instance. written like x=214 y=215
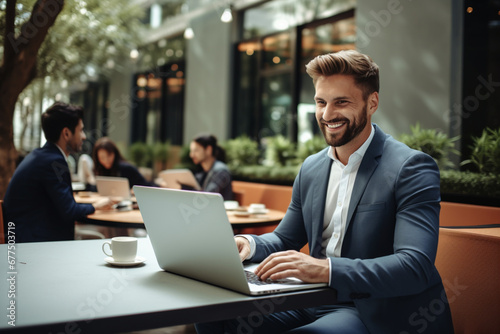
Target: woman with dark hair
x=108 y=161
x=214 y=175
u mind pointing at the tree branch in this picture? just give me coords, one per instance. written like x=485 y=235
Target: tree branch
x=10 y=16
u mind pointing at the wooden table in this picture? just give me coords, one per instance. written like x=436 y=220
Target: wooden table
x=67 y=287
x=133 y=218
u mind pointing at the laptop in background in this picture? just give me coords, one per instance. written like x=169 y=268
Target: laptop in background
x=181 y=176
x=191 y=236
x=111 y=186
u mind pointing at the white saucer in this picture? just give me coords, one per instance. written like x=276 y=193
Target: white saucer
x=138 y=260
x=241 y=213
x=258 y=212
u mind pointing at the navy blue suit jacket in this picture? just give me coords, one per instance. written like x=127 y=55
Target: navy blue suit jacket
x=386 y=266
x=39 y=199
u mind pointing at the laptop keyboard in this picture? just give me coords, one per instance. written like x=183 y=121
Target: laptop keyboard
x=254 y=279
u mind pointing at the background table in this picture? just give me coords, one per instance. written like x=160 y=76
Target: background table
x=68 y=287
x=133 y=218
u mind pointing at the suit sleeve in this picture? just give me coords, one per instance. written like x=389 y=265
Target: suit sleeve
x=410 y=268
x=57 y=182
x=290 y=233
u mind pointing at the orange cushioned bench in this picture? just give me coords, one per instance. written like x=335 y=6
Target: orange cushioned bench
x=273 y=196
x=468 y=260
x=458 y=214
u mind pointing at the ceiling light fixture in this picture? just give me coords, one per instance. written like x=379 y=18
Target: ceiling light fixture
x=188 y=33
x=227 y=15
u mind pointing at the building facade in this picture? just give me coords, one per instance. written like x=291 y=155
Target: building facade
x=195 y=73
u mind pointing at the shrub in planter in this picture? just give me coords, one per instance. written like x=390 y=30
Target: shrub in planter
x=485 y=155
x=241 y=151
x=284 y=175
x=161 y=153
x=471 y=184
x=140 y=154
x=310 y=147
x=280 y=151
x=437 y=144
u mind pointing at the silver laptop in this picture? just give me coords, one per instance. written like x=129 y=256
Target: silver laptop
x=180 y=176
x=191 y=236
x=110 y=186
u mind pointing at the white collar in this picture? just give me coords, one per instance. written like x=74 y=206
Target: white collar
x=62 y=152
x=360 y=152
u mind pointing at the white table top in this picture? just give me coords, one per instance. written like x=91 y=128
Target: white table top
x=67 y=286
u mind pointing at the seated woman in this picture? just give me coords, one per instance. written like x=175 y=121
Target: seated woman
x=214 y=175
x=109 y=162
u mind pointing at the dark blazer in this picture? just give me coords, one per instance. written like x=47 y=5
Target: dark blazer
x=39 y=199
x=388 y=252
x=132 y=174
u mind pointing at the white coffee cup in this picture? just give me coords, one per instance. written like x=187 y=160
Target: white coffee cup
x=231 y=205
x=123 y=249
x=257 y=208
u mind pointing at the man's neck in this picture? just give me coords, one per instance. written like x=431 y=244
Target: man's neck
x=63 y=147
x=344 y=152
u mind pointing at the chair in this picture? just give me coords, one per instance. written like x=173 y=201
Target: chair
x=468 y=260
x=2 y=227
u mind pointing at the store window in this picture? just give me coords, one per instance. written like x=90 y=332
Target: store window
x=158 y=93
x=480 y=104
x=273 y=94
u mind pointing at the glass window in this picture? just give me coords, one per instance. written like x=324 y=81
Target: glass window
x=273 y=93
x=158 y=95
x=276 y=106
x=280 y=15
x=245 y=103
x=277 y=51
x=481 y=73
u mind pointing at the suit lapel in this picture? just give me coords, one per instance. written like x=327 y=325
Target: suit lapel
x=366 y=169
x=320 y=184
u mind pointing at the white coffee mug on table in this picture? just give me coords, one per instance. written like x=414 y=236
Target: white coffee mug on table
x=123 y=249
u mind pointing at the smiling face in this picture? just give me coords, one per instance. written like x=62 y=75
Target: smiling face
x=343 y=115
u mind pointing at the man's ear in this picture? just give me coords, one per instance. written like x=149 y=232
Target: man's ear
x=372 y=103
x=66 y=133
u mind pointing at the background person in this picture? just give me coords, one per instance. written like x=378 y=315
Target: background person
x=108 y=161
x=214 y=175
x=369 y=208
x=39 y=199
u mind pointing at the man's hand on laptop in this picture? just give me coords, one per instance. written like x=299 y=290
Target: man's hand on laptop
x=243 y=247
x=285 y=264
x=103 y=204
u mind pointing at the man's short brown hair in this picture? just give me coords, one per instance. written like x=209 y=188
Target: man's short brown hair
x=347 y=62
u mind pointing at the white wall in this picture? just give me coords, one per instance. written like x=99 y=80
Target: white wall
x=120 y=109
x=411 y=41
x=208 y=66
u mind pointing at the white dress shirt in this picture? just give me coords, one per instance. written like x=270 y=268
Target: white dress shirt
x=338 y=197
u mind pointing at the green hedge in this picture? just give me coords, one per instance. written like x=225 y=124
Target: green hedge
x=452 y=182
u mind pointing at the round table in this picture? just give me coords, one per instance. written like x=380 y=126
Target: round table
x=133 y=218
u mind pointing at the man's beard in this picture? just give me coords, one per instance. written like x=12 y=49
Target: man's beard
x=351 y=132
x=73 y=147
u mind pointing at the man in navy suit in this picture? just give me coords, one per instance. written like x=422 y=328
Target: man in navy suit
x=368 y=206
x=39 y=199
